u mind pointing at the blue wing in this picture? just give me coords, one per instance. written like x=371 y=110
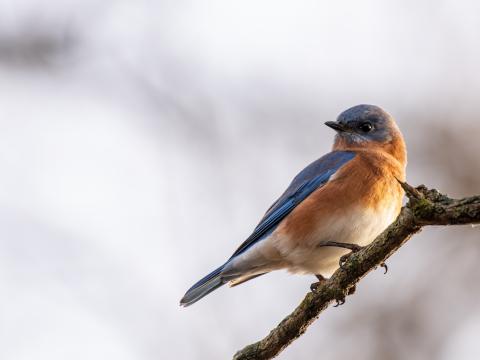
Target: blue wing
x=307 y=181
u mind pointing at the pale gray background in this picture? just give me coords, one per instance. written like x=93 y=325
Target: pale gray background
x=141 y=141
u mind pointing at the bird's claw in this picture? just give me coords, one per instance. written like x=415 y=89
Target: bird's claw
x=343 y=259
x=383 y=265
x=341 y=299
x=314 y=287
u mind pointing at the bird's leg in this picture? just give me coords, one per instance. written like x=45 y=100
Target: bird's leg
x=353 y=247
x=314 y=287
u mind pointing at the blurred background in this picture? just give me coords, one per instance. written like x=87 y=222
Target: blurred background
x=141 y=141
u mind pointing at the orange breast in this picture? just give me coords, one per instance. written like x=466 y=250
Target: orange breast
x=367 y=182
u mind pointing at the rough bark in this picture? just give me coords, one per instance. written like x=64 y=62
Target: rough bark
x=425 y=207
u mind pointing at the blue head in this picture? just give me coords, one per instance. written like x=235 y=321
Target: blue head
x=368 y=126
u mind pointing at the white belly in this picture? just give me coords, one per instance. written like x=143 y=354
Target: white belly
x=278 y=251
x=357 y=227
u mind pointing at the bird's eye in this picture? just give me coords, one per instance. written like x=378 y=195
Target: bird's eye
x=366 y=127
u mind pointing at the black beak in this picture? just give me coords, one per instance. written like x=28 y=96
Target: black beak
x=336 y=126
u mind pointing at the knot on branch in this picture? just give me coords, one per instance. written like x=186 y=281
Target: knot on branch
x=426 y=204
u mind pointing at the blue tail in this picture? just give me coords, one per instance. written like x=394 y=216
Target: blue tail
x=204 y=287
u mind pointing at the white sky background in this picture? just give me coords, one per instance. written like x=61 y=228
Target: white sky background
x=134 y=161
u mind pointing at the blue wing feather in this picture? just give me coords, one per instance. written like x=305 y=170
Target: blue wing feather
x=310 y=179
x=307 y=181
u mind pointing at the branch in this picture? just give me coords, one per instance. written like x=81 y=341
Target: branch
x=425 y=207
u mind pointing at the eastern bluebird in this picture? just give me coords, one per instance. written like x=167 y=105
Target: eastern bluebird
x=348 y=196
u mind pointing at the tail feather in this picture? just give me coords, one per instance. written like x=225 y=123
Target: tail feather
x=204 y=287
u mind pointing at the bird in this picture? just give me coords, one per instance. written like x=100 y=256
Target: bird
x=346 y=198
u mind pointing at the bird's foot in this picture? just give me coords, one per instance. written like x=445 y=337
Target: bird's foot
x=314 y=287
x=341 y=300
x=383 y=265
x=354 y=248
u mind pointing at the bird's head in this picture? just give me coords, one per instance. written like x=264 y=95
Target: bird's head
x=368 y=126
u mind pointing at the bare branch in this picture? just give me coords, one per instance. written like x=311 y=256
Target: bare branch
x=426 y=207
